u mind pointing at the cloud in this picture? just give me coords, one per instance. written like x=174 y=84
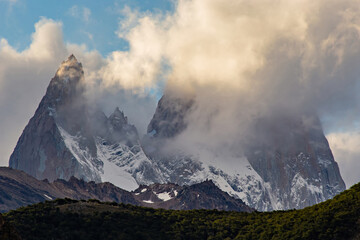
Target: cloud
x=345 y=147
x=82 y=13
x=86 y=14
x=140 y=67
x=246 y=60
x=129 y=20
x=236 y=45
x=23 y=79
x=74 y=11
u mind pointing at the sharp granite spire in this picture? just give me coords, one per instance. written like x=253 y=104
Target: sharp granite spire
x=66 y=137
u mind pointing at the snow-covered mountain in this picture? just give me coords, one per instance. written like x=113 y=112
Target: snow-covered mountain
x=67 y=137
x=287 y=162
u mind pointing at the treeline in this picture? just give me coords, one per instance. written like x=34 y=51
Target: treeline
x=338 y=218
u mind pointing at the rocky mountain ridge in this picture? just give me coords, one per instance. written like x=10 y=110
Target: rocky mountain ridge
x=20 y=189
x=66 y=137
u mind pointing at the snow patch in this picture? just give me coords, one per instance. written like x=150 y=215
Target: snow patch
x=324 y=162
x=83 y=156
x=52 y=112
x=299 y=185
x=111 y=172
x=165 y=196
x=237 y=178
x=48 y=197
x=152 y=133
x=148 y=201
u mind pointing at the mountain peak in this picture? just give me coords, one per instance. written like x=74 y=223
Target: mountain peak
x=118 y=116
x=118 y=112
x=72 y=58
x=70 y=71
x=71 y=62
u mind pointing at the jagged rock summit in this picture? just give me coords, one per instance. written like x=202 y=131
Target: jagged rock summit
x=41 y=150
x=66 y=137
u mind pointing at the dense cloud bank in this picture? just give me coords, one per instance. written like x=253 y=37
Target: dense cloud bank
x=244 y=61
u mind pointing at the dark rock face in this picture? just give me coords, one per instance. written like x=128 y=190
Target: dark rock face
x=19 y=189
x=41 y=150
x=120 y=129
x=288 y=157
x=205 y=195
x=106 y=192
x=61 y=139
x=295 y=160
x=169 y=118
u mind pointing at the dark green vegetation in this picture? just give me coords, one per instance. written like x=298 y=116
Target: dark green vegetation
x=338 y=218
x=7 y=232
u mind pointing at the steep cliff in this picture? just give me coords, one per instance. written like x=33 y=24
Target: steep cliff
x=20 y=189
x=66 y=137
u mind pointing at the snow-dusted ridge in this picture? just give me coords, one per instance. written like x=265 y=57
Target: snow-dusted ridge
x=128 y=167
x=123 y=165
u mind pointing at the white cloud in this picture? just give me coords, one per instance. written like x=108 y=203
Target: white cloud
x=23 y=79
x=245 y=60
x=140 y=67
x=250 y=47
x=82 y=13
x=130 y=19
x=346 y=149
x=86 y=14
x=74 y=11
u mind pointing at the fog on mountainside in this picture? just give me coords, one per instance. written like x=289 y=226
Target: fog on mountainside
x=240 y=64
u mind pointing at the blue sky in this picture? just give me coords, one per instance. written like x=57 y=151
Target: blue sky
x=93 y=23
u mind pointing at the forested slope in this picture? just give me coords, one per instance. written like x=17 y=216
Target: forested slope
x=338 y=218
